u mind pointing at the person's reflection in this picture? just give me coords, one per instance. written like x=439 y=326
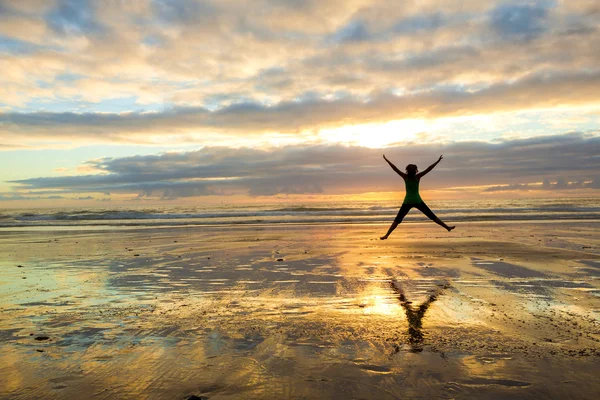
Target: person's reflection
x=415 y=316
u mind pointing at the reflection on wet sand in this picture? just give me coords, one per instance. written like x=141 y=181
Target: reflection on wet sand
x=415 y=317
x=296 y=312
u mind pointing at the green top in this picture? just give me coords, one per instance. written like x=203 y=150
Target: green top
x=412 y=191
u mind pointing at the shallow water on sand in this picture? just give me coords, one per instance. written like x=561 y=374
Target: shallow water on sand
x=488 y=311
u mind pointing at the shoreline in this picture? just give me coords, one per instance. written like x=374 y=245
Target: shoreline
x=116 y=227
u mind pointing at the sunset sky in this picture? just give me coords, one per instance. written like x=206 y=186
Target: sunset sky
x=105 y=102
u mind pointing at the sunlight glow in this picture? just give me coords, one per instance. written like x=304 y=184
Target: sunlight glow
x=381 y=304
x=376 y=135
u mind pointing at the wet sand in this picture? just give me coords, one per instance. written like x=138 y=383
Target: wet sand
x=489 y=311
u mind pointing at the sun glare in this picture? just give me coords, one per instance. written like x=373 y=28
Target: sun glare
x=376 y=135
x=382 y=305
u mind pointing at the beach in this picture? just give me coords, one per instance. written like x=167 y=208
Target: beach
x=501 y=309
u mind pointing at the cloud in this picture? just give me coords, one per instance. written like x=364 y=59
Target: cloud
x=205 y=53
x=515 y=186
x=420 y=23
x=18 y=197
x=337 y=169
x=354 y=31
x=559 y=184
x=6 y=146
x=73 y=17
x=248 y=118
x=520 y=21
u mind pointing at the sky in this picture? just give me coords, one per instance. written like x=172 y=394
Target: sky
x=113 y=102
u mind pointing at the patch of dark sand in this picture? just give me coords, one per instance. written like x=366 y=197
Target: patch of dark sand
x=438 y=272
x=9 y=334
x=48 y=304
x=63 y=379
x=81 y=338
x=592 y=268
x=308 y=275
x=507 y=270
x=591 y=263
x=589 y=271
x=542 y=288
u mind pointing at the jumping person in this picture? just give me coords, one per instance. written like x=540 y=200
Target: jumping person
x=412 y=198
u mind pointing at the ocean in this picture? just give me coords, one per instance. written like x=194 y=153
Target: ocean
x=355 y=212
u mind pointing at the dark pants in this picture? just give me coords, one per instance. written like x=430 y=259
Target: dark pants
x=419 y=206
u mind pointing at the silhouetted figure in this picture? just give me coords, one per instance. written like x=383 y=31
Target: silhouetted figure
x=412 y=198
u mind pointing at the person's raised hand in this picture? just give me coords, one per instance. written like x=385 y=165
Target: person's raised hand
x=440 y=159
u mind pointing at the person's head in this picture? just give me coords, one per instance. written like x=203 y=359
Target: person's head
x=411 y=169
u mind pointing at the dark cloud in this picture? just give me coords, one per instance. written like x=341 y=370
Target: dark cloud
x=183 y=11
x=419 y=23
x=520 y=21
x=359 y=31
x=74 y=17
x=434 y=58
x=354 y=31
x=569 y=161
x=9 y=8
x=16 y=46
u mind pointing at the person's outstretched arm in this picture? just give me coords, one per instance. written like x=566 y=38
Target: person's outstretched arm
x=402 y=174
x=432 y=166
